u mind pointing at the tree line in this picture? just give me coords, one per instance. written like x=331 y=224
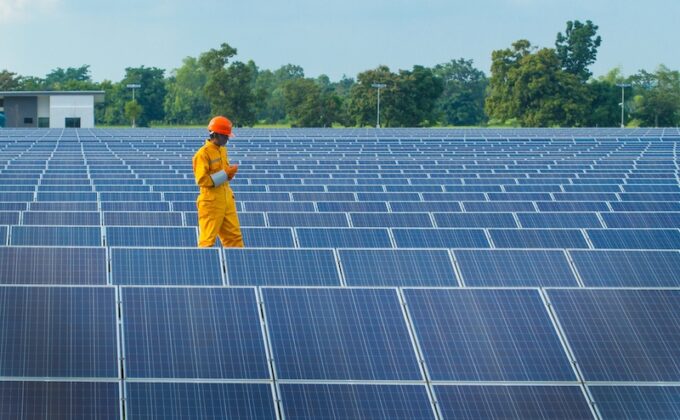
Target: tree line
x=528 y=86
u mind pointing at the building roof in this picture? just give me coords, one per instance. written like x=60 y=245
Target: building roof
x=98 y=94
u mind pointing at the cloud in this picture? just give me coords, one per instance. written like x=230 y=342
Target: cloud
x=13 y=11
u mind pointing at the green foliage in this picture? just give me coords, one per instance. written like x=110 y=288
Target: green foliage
x=69 y=79
x=132 y=111
x=150 y=95
x=462 y=101
x=310 y=103
x=363 y=97
x=577 y=48
x=185 y=102
x=9 y=80
x=657 y=102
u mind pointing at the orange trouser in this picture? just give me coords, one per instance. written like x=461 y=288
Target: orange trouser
x=218 y=218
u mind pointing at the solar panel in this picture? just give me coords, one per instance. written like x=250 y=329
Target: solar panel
x=440 y=238
x=432 y=206
x=151 y=236
x=66 y=218
x=538 y=238
x=267 y=237
x=300 y=267
x=355 y=401
x=147 y=218
x=176 y=400
x=136 y=206
x=621 y=334
x=349 y=206
x=641 y=220
x=475 y=220
x=66 y=265
x=58 y=332
x=512 y=268
x=635 y=238
x=512 y=402
x=55 y=206
x=192 y=333
x=9 y=217
x=64 y=196
x=559 y=220
x=397 y=267
x=332 y=333
x=60 y=400
x=3 y=235
x=343 y=238
x=308 y=219
x=487 y=335
x=169 y=266
x=628 y=268
x=56 y=235
x=638 y=402
x=390 y=220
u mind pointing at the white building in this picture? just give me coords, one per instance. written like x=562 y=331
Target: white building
x=50 y=109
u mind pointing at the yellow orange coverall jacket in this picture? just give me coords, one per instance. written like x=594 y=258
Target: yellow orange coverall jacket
x=216 y=205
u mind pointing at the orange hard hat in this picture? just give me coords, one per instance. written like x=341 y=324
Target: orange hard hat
x=220 y=125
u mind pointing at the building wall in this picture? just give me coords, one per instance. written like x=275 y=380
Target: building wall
x=20 y=107
x=71 y=106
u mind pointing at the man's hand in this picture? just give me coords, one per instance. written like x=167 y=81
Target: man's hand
x=231 y=171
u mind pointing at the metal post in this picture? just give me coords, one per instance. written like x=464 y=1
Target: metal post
x=378 y=86
x=133 y=86
x=623 y=86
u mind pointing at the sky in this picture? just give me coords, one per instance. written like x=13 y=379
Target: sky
x=333 y=37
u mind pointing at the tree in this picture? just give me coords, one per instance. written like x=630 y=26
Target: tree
x=577 y=48
x=310 y=103
x=658 y=101
x=132 y=111
x=150 y=95
x=9 y=80
x=414 y=99
x=500 y=102
x=363 y=97
x=185 y=102
x=71 y=78
x=462 y=100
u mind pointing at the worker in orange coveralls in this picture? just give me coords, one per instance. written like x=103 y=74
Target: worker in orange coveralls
x=216 y=205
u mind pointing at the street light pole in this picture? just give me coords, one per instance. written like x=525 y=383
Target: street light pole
x=378 y=86
x=133 y=86
x=622 y=86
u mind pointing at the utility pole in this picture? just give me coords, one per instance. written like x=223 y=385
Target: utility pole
x=623 y=86
x=378 y=86
x=133 y=86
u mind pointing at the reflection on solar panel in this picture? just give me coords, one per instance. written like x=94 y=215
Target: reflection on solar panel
x=35 y=265
x=60 y=400
x=512 y=402
x=343 y=238
x=179 y=266
x=628 y=268
x=56 y=235
x=192 y=333
x=638 y=402
x=355 y=401
x=151 y=236
x=514 y=268
x=328 y=333
x=58 y=332
x=487 y=335
x=301 y=267
x=622 y=335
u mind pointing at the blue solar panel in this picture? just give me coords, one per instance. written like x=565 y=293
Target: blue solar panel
x=332 y=333
x=16 y=196
x=641 y=220
x=487 y=335
x=512 y=402
x=472 y=220
x=438 y=206
x=151 y=236
x=498 y=206
x=56 y=235
x=178 y=266
x=3 y=235
x=622 y=335
x=9 y=217
x=559 y=220
x=348 y=206
x=538 y=238
x=65 y=196
x=267 y=237
x=343 y=238
x=308 y=219
x=148 y=218
x=279 y=206
x=645 y=206
x=60 y=400
x=58 y=332
x=514 y=268
x=440 y=238
x=192 y=333
x=391 y=220
x=52 y=206
x=67 y=218
x=571 y=206
x=635 y=238
x=136 y=206
x=637 y=402
x=173 y=400
x=355 y=401
x=628 y=268
x=300 y=267
x=397 y=267
x=33 y=265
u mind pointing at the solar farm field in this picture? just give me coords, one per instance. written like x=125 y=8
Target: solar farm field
x=387 y=274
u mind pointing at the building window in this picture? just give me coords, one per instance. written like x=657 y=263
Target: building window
x=72 y=122
x=43 y=122
x=28 y=120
